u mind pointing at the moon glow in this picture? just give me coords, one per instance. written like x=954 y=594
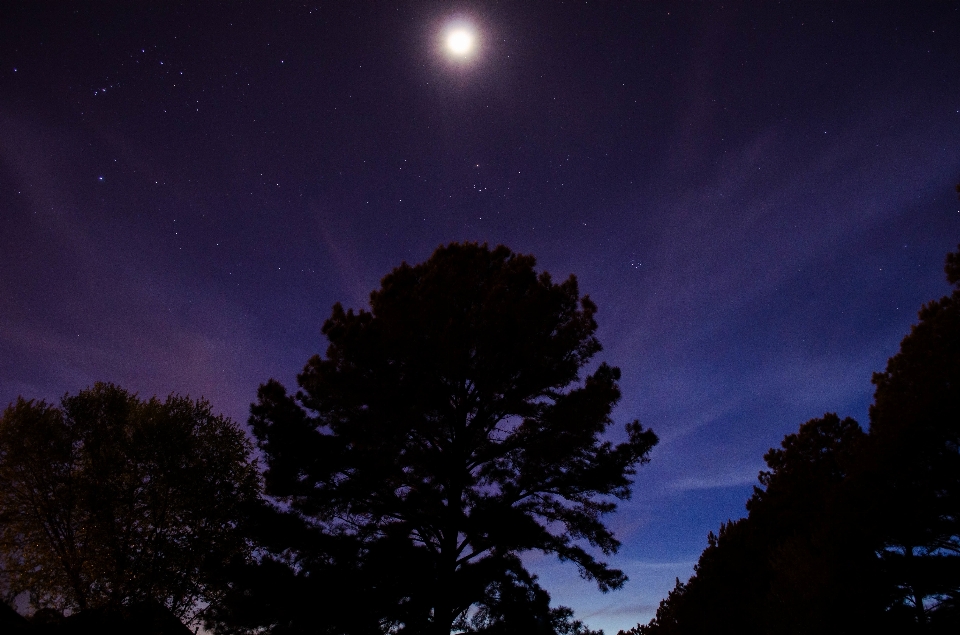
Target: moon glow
x=460 y=41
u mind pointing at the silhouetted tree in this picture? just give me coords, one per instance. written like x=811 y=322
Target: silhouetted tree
x=821 y=553
x=450 y=418
x=915 y=459
x=513 y=602
x=728 y=583
x=308 y=581
x=850 y=532
x=109 y=501
x=782 y=569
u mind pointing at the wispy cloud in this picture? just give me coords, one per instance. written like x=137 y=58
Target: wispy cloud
x=620 y=610
x=733 y=479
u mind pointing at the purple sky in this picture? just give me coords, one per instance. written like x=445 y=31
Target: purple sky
x=758 y=197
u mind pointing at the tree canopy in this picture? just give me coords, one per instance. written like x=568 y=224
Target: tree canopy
x=787 y=567
x=451 y=421
x=915 y=459
x=109 y=500
x=849 y=531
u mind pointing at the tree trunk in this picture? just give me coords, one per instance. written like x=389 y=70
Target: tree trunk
x=917 y=596
x=444 y=603
x=443 y=600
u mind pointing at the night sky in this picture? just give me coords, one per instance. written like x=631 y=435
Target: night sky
x=758 y=197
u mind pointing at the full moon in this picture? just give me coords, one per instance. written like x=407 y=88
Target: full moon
x=460 y=41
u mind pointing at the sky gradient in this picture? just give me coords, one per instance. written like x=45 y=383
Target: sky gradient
x=758 y=197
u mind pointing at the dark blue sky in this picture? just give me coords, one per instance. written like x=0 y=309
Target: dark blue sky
x=758 y=197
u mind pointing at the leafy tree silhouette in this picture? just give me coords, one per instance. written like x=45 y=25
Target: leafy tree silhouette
x=514 y=603
x=849 y=532
x=449 y=423
x=309 y=581
x=787 y=566
x=915 y=461
x=110 y=501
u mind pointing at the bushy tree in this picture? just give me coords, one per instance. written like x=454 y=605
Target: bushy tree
x=109 y=500
x=452 y=418
x=849 y=532
x=789 y=566
x=306 y=580
x=821 y=550
x=513 y=602
x=915 y=460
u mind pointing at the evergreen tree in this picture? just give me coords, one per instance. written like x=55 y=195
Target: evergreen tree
x=915 y=460
x=849 y=532
x=450 y=421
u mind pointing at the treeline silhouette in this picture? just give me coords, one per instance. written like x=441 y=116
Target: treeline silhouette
x=443 y=433
x=850 y=531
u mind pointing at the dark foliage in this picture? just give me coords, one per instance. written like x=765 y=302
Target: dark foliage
x=144 y=618
x=849 y=532
x=915 y=460
x=311 y=581
x=513 y=602
x=780 y=570
x=109 y=501
x=447 y=430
